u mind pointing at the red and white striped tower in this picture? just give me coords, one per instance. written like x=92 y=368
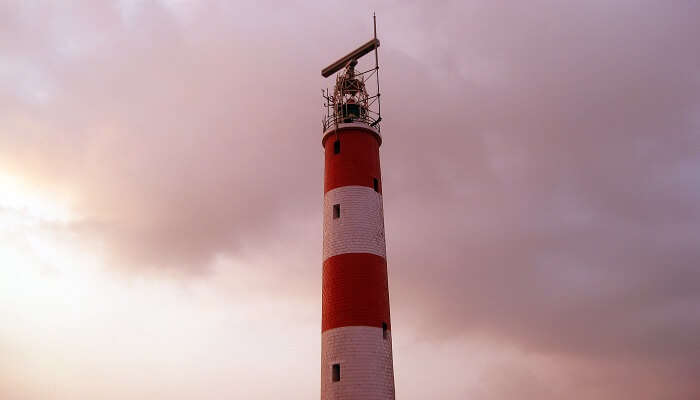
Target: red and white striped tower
x=356 y=355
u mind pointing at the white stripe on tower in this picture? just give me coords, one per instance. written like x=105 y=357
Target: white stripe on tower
x=360 y=227
x=364 y=354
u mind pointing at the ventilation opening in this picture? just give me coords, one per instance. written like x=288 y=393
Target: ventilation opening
x=385 y=330
x=376 y=185
x=336 y=147
x=336 y=372
x=336 y=211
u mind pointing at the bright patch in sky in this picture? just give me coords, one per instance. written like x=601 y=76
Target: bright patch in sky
x=20 y=199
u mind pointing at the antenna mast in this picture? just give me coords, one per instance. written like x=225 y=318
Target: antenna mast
x=376 y=69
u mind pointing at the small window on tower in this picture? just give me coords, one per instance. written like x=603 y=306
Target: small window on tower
x=336 y=211
x=385 y=330
x=336 y=372
x=336 y=147
x=376 y=185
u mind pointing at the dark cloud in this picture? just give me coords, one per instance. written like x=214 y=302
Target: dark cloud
x=551 y=205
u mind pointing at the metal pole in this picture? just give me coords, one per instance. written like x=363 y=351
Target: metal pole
x=376 y=66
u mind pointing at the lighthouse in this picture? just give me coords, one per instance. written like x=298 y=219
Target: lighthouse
x=356 y=351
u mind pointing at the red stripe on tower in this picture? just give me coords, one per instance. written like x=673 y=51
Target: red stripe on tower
x=356 y=351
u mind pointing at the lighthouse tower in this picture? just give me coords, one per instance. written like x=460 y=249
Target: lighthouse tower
x=356 y=355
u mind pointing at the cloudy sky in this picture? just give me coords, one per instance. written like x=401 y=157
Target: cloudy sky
x=161 y=190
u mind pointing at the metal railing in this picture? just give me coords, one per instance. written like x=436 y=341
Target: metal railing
x=334 y=120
